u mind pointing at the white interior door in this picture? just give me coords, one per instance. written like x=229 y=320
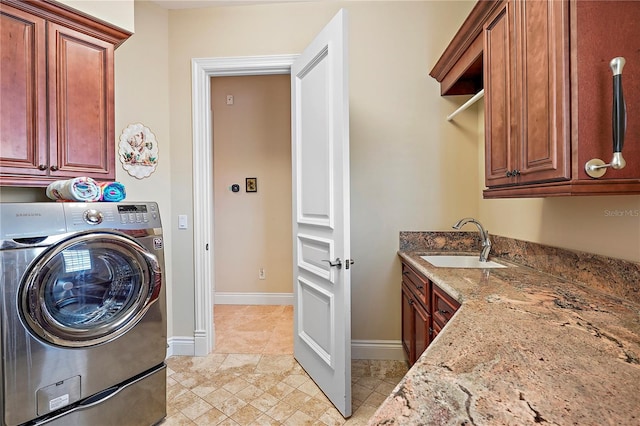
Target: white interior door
x=321 y=247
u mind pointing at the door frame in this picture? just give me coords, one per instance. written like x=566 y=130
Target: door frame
x=202 y=69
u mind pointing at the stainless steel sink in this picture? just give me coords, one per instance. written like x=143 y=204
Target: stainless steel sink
x=453 y=261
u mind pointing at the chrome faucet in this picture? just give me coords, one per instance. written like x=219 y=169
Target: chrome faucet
x=486 y=242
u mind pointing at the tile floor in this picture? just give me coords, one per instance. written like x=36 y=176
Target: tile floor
x=252 y=378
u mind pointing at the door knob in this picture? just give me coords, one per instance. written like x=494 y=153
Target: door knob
x=337 y=262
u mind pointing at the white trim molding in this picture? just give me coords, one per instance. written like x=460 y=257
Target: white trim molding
x=360 y=349
x=377 y=349
x=229 y=298
x=202 y=69
x=180 y=345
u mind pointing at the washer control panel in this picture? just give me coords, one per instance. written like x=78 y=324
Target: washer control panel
x=112 y=215
x=136 y=213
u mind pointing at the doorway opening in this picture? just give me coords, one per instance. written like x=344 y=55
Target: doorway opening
x=251 y=118
x=203 y=227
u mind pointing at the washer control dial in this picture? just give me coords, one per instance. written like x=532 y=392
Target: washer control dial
x=93 y=216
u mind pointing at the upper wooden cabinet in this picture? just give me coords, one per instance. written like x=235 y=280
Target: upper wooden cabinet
x=527 y=113
x=459 y=69
x=548 y=96
x=56 y=94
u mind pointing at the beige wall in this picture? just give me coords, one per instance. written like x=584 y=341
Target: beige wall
x=393 y=128
x=252 y=138
x=410 y=169
x=142 y=96
x=116 y=12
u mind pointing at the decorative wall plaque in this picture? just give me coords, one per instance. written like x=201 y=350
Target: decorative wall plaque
x=138 y=150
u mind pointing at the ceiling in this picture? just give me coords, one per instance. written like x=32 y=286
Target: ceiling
x=192 y=4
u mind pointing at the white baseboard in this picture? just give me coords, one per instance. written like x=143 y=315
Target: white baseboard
x=181 y=345
x=228 y=298
x=377 y=349
x=360 y=349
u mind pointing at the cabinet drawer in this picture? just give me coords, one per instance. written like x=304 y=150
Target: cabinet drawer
x=443 y=305
x=417 y=284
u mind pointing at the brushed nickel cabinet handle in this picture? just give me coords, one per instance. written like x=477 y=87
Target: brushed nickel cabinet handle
x=595 y=167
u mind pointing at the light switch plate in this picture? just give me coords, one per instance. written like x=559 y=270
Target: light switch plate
x=182 y=221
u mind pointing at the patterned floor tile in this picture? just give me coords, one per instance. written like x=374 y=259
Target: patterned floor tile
x=253 y=379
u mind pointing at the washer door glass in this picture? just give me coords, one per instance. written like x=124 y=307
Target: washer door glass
x=89 y=289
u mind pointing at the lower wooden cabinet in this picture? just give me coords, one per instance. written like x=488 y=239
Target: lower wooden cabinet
x=416 y=322
x=426 y=308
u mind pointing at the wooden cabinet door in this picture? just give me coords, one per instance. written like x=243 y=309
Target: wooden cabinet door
x=602 y=30
x=408 y=341
x=23 y=118
x=527 y=126
x=416 y=323
x=542 y=90
x=80 y=104
x=422 y=324
x=499 y=147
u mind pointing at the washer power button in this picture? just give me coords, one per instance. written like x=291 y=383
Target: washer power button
x=93 y=217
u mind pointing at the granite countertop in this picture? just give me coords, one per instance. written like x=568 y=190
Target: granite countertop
x=525 y=347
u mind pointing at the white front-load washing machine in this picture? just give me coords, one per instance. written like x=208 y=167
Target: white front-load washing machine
x=83 y=321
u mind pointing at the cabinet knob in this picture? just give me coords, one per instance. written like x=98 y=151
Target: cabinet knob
x=53 y=168
x=42 y=167
x=515 y=172
x=508 y=173
x=411 y=301
x=419 y=287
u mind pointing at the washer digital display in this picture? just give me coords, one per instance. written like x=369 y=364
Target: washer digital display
x=132 y=208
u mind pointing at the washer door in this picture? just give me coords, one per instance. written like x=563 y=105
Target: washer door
x=89 y=289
